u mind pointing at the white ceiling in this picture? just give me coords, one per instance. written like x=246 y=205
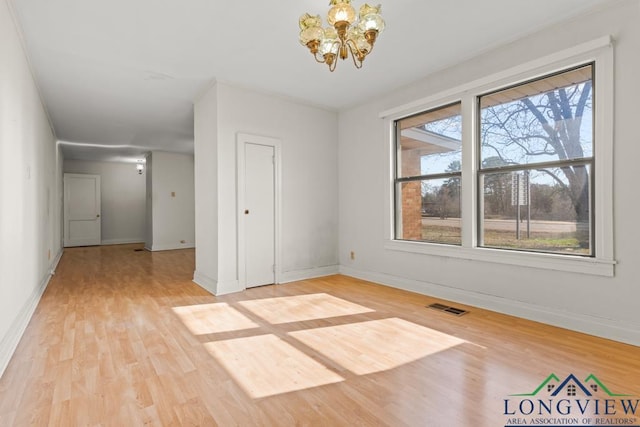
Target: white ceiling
x=119 y=77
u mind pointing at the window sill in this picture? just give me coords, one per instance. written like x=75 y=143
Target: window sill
x=567 y=263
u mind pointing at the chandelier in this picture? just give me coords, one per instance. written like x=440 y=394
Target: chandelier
x=345 y=34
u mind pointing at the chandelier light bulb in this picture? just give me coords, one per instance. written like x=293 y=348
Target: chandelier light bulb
x=342 y=11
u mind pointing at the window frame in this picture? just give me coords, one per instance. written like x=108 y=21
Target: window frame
x=399 y=180
x=599 y=52
x=586 y=161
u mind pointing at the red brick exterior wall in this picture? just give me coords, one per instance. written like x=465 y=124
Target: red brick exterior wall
x=411 y=197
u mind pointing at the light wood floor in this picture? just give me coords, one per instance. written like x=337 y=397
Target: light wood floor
x=124 y=338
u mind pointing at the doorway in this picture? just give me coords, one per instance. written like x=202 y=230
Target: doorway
x=82 y=225
x=258 y=210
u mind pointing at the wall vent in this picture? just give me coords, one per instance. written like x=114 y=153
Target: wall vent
x=448 y=309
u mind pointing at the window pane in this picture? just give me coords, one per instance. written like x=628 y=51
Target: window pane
x=545 y=120
x=553 y=211
x=430 y=143
x=430 y=210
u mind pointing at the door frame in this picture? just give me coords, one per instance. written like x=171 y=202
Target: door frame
x=65 y=207
x=241 y=140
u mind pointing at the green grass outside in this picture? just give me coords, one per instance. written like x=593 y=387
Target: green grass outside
x=550 y=242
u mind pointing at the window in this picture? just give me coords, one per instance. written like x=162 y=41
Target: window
x=536 y=164
x=513 y=168
x=428 y=170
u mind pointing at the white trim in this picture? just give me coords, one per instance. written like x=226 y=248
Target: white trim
x=626 y=332
x=109 y=242
x=389 y=202
x=224 y=288
x=242 y=139
x=205 y=282
x=603 y=152
x=599 y=51
x=547 y=261
x=214 y=287
x=309 y=273
x=12 y=338
x=56 y=261
x=469 y=179
x=171 y=247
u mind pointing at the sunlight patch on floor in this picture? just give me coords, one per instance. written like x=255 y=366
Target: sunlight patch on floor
x=302 y=307
x=265 y=365
x=212 y=318
x=377 y=345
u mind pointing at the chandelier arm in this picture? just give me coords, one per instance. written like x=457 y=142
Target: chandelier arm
x=352 y=45
x=321 y=60
x=356 y=62
x=333 y=65
x=355 y=56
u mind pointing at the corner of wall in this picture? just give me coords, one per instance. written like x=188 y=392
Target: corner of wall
x=205 y=282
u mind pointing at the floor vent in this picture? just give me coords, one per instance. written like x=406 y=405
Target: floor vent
x=448 y=309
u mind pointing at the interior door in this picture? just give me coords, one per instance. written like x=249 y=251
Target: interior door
x=81 y=210
x=259 y=214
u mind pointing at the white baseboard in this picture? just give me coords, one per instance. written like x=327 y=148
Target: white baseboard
x=11 y=339
x=170 y=247
x=223 y=288
x=213 y=286
x=205 y=282
x=626 y=332
x=229 y=287
x=121 y=241
x=309 y=273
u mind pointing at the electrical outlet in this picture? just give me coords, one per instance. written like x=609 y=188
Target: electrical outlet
x=352 y=255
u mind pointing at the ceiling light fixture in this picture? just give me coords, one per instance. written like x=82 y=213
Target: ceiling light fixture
x=345 y=34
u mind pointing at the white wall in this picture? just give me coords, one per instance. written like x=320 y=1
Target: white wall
x=206 y=189
x=122 y=193
x=309 y=213
x=148 y=172
x=30 y=181
x=597 y=305
x=172 y=201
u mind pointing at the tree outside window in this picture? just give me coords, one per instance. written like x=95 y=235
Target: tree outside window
x=536 y=164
